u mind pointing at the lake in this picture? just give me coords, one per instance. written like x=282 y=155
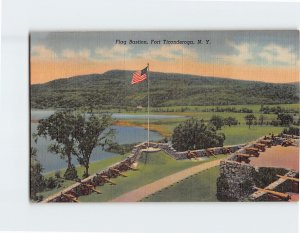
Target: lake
x=124 y=135
x=39 y=114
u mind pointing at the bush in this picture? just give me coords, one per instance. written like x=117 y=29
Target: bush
x=57 y=174
x=71 y=173
x=292 y=131
x=51 y=183
x=194 y=134
x=275 y=122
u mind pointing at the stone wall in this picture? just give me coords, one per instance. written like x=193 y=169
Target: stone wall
x=80 y=188
x=237 y=180
x=199 y=153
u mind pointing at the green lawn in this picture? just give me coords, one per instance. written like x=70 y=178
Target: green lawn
x=242 y=134
x=151 y=167
x=94 y=167
x=199 y=187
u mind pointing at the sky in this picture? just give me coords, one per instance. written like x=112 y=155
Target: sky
x=268 y=56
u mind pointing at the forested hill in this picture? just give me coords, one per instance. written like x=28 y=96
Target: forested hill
x=113 y=90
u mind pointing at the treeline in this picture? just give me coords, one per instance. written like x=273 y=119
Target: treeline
x=283 y=119
x=197 y=109
x=276 y=110
x=113 y=90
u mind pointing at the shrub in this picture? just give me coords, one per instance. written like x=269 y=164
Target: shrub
x=57 y=174
x=292 y=130
x=71 y=173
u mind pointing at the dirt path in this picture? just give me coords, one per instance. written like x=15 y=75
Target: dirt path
x=146 y=190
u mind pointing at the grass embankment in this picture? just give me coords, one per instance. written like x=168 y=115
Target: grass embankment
x=94 y=167
x=234 y=135
x=199 y=187
x=151 y=167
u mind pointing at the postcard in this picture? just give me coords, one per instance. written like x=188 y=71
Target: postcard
x=164 y=116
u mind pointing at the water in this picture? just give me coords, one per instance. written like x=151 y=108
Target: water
x=142 y=116
x=39 y=114
x=51 y=161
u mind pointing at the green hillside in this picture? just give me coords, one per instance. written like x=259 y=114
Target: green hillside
x=112 y=90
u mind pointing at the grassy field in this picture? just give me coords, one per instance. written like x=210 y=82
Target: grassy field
x=234 y=134
x=94 y=167
x=242 y=134
x=151 y=167
x=199 y=187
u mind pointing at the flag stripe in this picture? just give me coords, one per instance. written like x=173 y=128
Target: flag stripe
x=139 y=76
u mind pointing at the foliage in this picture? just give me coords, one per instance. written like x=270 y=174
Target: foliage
x=194 y=134
x=37 y=180
x=216 y=121
x=292 y=131
x=285 y=119
x=261 y=119
x=113 y=90
x=250 y=118
x=276 y=110
x=70 y=173
x=120 y=149
x=91 y=131
x=60 y=127
x=230 y=121
x=57 y=174
x=275 y=122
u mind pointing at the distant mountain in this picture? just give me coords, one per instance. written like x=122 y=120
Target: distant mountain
x=113 y=90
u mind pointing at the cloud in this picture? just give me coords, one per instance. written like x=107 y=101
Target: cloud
x=242 y=55
x=70 y=54
x=42 y=52
x=115 y=52
x=169 y=53
x=273 y=53
x=270 y=54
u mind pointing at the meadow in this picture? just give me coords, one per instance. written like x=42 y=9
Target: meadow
x=151 y=167
x=238 y=134
x=199 y=187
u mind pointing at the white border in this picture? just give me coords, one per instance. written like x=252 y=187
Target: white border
x=19 y=17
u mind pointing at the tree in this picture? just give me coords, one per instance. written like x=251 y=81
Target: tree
x=261 y=119
x=292 y=131
x=60 y=127
x=91 y=131
x=285 y=119
x=37 y=181
x=216 y=121
x=194 y=134
x=230 y=121
x=250 y=118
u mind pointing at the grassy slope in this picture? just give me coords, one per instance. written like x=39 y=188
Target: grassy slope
x=94 y=167
x=151 y=167
x=200 y=187
x=242 y=134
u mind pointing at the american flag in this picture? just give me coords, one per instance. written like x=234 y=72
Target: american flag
x=139 y=76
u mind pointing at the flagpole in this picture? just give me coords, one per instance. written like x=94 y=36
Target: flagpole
x=148 y=77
